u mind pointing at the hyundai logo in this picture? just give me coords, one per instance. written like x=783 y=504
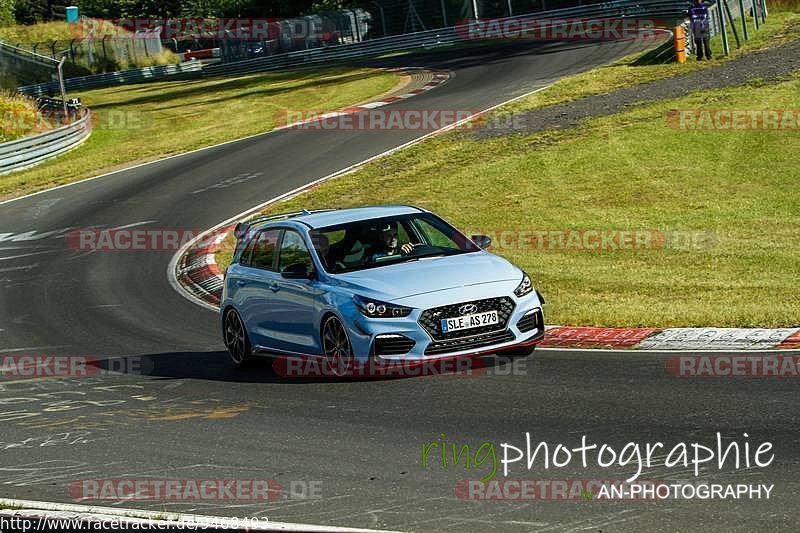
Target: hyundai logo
x=467 y=309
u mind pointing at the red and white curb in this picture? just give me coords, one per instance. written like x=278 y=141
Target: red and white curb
x=194 y=273
x=52 y=516
x=439 y=77
x=197 y=271
x=199 y=274
x=673 y=339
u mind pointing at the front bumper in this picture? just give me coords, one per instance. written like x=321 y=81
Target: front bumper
x=408 y=340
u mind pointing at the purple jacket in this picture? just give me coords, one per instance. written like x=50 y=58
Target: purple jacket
x=699 y=21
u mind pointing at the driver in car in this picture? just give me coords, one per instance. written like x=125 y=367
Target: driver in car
x=390 y=245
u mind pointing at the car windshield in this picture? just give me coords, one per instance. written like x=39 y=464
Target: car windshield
x=383 y=241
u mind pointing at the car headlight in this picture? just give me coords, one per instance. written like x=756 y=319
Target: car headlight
x=377 y=309
x=525 y=286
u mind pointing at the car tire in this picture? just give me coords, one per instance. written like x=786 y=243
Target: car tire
x=336 y=346
x=236 y=340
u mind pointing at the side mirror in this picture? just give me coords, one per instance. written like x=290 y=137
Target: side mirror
x=297 y=271
x=483 y=241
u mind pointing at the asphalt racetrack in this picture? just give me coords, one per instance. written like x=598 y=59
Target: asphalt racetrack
x=182 y=410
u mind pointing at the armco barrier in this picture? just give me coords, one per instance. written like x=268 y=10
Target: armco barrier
x=190 y=69
x=28 y=151
x=668 y=11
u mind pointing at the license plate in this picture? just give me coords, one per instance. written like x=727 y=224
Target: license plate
x=470 y=321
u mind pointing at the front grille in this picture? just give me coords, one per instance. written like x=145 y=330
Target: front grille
x=392 y=345
x=467 y=343
x=430 y=318
x=530 y=321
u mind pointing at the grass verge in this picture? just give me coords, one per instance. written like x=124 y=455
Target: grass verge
x=723 y=208
x=781 y=26
x=138 y=123
x=18 y=116
x=49 y=38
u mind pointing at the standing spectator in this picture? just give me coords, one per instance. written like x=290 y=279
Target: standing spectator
x=700 y=23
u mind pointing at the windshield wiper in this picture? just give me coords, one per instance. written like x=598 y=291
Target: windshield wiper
x=426 y=256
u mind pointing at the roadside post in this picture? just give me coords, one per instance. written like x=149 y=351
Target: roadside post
x=61 y=86
x=745 y=32
x=726 y=49
x=679 y=38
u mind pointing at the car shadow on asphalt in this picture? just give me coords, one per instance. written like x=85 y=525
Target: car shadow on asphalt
x=217 y=366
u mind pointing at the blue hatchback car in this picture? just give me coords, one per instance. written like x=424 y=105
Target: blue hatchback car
x=387 y=283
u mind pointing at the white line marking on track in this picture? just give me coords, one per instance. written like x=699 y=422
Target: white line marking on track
x=171 y=274
x=31 y=348
x=126 y=226
x=263 y=133
x=28 y=255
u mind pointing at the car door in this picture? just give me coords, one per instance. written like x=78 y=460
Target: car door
x=295 y=302
x=257 y=283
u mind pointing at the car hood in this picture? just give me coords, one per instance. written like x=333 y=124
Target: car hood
x=403 y=280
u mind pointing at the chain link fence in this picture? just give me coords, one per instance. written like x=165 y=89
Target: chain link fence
x=98 y=46
x=91 y=51
x=22 y=67
x=731 y=19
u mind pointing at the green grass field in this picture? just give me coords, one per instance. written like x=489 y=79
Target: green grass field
x=723 y=207
x=781 y=26
x=137 y=123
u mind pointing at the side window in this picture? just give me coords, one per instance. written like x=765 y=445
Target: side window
x=294 y=251
x=403 y=235
x=264 y=249
x=247 y=253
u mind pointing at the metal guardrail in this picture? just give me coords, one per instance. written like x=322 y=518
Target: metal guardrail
x=663 y=9
x=671 y=10
x=179 y=71
x=29 y=151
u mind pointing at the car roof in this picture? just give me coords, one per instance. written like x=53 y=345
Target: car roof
x=334 y=217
